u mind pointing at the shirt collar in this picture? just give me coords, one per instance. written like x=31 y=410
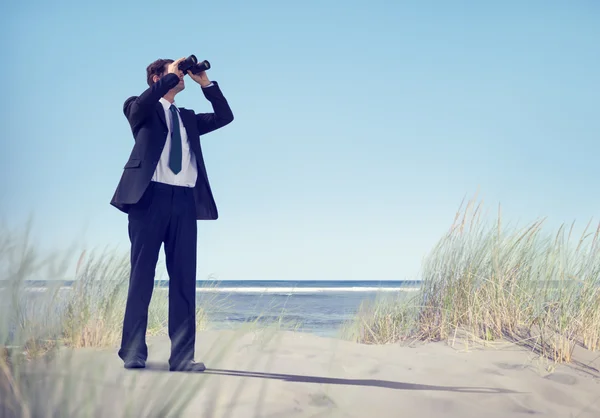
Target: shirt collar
x=166 y=105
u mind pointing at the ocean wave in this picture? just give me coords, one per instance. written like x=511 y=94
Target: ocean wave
x=289 y=290
x=273 y=290
x=40 y=289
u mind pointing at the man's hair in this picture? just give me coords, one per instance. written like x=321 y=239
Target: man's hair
x=156 y=68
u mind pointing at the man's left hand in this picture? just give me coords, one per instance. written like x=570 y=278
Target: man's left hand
x=200 y=78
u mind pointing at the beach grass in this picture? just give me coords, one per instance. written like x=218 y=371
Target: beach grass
x=482 y=283
x=58 y=320
x=87 y=314
x=485 y=282
x=96 y=304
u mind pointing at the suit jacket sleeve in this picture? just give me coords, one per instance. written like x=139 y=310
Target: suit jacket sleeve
x=137 y=108
x=222 y=115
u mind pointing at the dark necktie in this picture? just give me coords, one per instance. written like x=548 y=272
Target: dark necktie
x=175 y=156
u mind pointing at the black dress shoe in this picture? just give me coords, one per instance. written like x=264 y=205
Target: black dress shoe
x=135 y=364
x=188 y=366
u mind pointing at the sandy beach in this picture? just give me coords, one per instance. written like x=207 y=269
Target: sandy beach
x=287 y=374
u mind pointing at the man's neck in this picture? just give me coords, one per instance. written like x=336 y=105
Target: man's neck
x=169 y=97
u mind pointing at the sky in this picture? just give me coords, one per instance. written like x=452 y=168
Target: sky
x=359 y=127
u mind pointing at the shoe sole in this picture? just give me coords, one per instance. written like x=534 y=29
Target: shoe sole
x=135 y=366
x=191 y=369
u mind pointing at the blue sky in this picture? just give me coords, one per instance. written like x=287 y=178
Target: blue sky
x=359 y=128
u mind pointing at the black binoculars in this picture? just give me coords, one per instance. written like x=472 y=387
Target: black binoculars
x=191 y=63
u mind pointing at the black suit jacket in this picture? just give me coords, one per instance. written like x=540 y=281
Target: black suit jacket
x=147 y=120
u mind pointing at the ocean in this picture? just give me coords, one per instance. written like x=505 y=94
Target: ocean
x=318 y=307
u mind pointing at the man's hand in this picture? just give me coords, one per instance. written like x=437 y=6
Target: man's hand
x=173 y=68
x=200 y=78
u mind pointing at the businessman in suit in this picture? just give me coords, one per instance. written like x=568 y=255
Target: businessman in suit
x=164 y=190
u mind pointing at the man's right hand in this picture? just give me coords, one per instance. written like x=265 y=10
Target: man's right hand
x=173 y=68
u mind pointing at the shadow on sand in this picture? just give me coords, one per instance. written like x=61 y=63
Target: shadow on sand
x=336 y=381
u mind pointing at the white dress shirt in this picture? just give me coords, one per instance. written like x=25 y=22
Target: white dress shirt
x=189 y=170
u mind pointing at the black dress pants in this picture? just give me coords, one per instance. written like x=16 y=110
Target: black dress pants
x=165 y=214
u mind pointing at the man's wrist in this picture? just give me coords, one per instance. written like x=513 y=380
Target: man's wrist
x=205 y=85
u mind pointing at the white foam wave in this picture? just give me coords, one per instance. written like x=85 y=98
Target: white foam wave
x=302 y=289
x=272 y=290
x=41 y=289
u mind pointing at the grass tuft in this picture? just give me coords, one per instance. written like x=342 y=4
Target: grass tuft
x=489 y=282
x=39 y=323
x=40 y=326
x=96 y=304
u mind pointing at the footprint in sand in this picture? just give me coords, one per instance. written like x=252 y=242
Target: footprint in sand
x=320 y=399
x=492 y=371
x=562 y=378
x=511 y=366
x=519 y=409
x=558 y=396
x=374 y=370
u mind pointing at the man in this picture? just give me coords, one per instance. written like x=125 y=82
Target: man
x=164 y=189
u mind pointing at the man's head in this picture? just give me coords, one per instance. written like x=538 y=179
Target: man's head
x=157 y=70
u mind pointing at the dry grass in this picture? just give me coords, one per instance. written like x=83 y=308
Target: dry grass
x=491 y=282
x=485 y=281
x=96 y=304
x=44 y=325
x=39 y=324
x=87 y=314
x=381 y=321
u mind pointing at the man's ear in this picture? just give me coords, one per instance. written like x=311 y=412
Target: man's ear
x=155 y=78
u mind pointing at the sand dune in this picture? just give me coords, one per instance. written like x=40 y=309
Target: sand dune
x=284 y=374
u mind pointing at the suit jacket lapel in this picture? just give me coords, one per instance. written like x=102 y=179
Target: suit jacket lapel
x=161 y=114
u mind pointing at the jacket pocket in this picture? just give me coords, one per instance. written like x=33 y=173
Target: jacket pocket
x=133 y=163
